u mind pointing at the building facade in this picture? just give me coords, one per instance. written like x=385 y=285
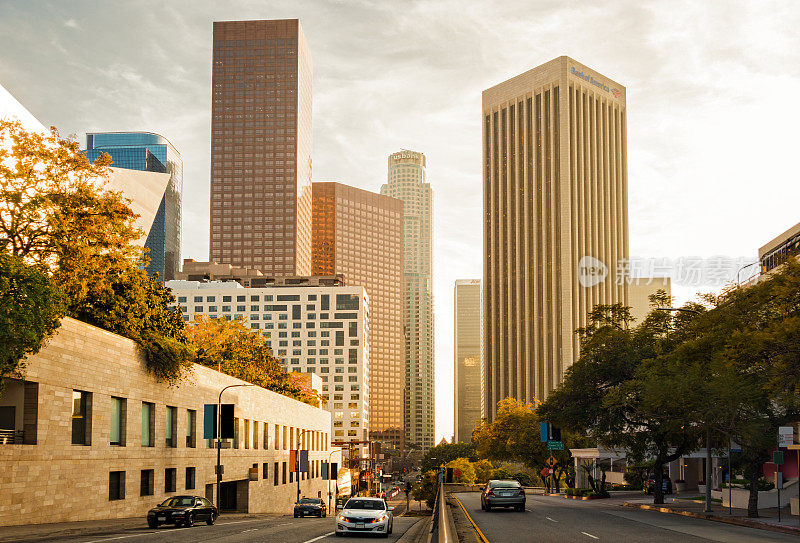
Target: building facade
x=555 y=210
x=407 y=181
x=149 y=152
x=261 y=147
x=249 y=277
x=468 y=363
x=359 y=235
x=773 y=254
x=103 y=439
x=322 y=330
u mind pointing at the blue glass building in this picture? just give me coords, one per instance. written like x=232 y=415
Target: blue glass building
x=153 y=153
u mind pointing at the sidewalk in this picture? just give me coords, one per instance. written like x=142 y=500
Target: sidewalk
x=26 y=532
x=768 y=518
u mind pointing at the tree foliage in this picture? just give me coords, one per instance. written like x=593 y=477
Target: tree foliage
x=446 y=452
x=244 y=354
x=31 y=307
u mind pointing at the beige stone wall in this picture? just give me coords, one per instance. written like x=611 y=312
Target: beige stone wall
x=55 y=481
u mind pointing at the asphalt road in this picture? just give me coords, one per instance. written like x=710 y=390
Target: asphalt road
x=557 y=519
x=275 y=529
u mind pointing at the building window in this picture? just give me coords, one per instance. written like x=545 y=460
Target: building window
x=275 y=474
x=265 y=471
x=148 y=424
x=118 y=411
x=266 y=436
x=191 y=428
x=146 y=485
x=171 y=427
x=81 y=417
x=190 y=476
x=170 y=479
x=116 y=485
x=283 y=469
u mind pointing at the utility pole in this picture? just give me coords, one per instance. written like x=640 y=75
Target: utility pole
x=219 y=439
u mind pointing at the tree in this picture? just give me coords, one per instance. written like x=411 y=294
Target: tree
x=614 y=395
x=31 y=307
x=483 y=470
x=463 y=470
x=244 y=354
x=446 y=452
x=57 y=212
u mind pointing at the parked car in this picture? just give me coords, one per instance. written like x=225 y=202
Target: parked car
x=182 y=511
x=310 y=507
x=365 y=515
x=650 y=486
x=503 y=494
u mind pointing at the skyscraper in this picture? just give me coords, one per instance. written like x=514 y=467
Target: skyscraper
x=261 y=147
x=408 y=182
x=152 y=153
x=555 y=197
x=467 y=354
x=359 y=234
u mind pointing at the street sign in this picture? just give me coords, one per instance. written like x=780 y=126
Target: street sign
x=785 y=436
x=545 y=472
x=555 y=445
x=552 y=461
x=543 y=433
x=777 y=457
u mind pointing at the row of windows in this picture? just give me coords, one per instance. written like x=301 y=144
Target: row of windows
x=116 y=482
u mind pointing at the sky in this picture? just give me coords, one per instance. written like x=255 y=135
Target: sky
x=712 y=105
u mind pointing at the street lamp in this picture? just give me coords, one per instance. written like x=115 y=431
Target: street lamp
x=297 y=462
x=708 y=473
x=329 y=475
x=219 y=438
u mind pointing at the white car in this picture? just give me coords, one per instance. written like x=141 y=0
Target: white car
x=365 y=515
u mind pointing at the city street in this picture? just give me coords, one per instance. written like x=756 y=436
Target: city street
x=557 y=519
x=273 y=528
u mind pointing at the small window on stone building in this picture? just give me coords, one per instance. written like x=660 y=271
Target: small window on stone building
x=116 y=485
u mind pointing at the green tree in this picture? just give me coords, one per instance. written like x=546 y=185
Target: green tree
x=446 y=452
x=463 y=470
x=614 y=395
x=483 y=470
x=30 y=310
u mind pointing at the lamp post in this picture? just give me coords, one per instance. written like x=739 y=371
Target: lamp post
x=329 y=475
x=219 y=438
x=708 y=473
x=297 y=462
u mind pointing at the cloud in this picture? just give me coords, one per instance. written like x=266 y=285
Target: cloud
x=71 y=23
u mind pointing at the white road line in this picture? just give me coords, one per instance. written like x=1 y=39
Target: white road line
x=249 y=530
x=590 y=535
x=122 y=537
x=161 y=532
x=323 y=536
x=551 y=519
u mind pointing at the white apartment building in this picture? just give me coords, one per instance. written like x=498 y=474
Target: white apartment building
x=319 y=330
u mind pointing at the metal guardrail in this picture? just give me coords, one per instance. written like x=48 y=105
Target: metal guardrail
x=442 y=528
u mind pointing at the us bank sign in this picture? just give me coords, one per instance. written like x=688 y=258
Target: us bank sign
x=588 y=78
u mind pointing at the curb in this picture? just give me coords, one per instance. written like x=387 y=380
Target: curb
x=477 y=530
x=585 y=498
x=748 y=523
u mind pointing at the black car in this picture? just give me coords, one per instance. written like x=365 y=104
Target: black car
x=650 y=486
x=182 y=511
x=313 y=507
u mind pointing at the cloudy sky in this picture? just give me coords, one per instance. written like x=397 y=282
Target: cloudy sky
x=712 y=92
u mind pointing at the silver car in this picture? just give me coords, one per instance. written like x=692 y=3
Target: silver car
x=365 y=515
x=503 y=494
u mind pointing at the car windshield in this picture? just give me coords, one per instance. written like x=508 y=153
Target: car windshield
x=309 y=500
x=365 y=504
x=178 y=501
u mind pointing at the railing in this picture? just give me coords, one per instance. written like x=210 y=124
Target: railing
x=11 y=437
x=441 y=530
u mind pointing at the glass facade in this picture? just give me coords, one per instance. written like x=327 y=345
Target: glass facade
x=153 y=153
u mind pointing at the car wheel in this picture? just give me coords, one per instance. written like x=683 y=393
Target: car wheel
x=391 y=526
x=338 y=534
x=488 y=507
x=211 y=519
x=324 y=514
x=152 y=523
x=520 y=508
x=189 y=522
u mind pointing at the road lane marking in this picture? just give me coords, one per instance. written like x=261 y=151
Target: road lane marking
x=551 y=519
x=143 y=534
x=480 y=534
x=590 y=535
x=323 y=536
x=249 y=530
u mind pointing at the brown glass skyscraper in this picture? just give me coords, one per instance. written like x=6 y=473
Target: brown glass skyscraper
x=261 y=147
x=555 y=209
x=360 y=234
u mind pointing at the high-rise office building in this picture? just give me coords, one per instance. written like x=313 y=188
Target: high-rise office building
x=555 y=220
x=261 y=147
x=152 y=153
x=408 y=182
x=359 y=234
x=467 y=353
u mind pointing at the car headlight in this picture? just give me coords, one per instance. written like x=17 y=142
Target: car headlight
x=342 y=518
x=379 y=519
